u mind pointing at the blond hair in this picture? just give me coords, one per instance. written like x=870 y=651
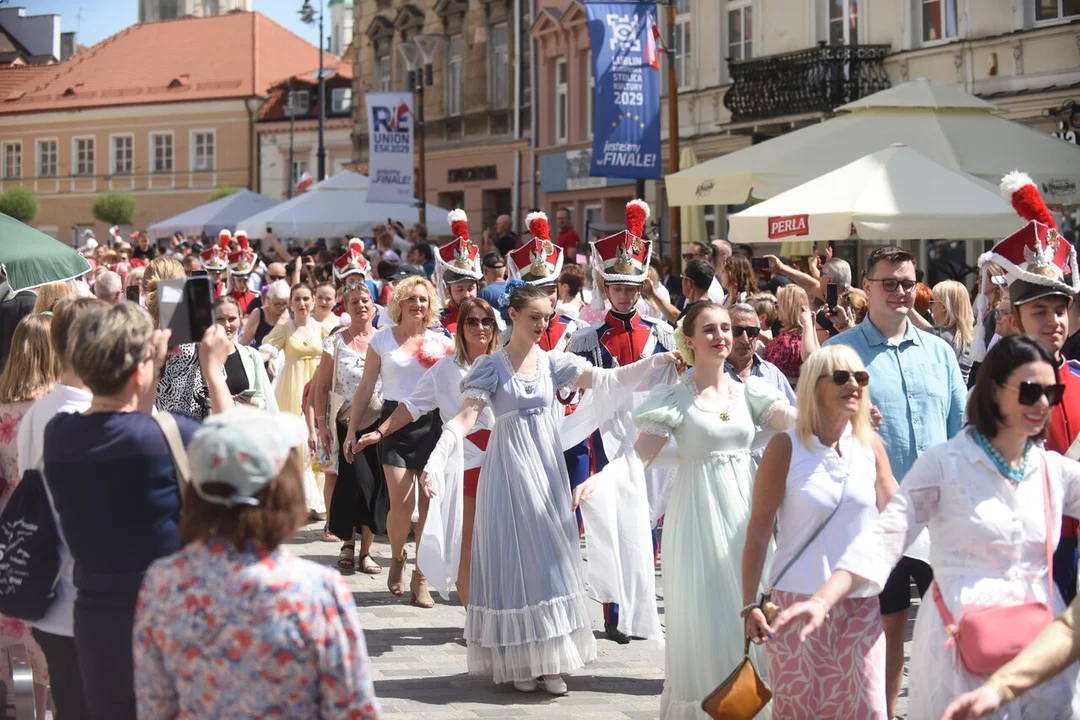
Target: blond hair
x=402 y=290
x=764 y=304
x=821 y=364
x=954 y=297
x=790 y=302
x=49 y=295
x=158 y=269
x=32 y=367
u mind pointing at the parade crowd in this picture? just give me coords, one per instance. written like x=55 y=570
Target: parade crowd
x=795 y=447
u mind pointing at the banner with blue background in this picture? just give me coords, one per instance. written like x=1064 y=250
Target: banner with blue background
x=626 y=66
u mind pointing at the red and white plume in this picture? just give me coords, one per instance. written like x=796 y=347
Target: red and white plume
x=224 y=238
x=537 y=223
x=637 y=212
x=1020 y=191
x=459 y=224
x=356 y=245
x=242 y=239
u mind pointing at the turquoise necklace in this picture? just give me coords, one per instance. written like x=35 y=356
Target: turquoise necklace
x=1013 y=474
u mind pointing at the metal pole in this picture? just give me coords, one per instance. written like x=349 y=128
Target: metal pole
x=673 y=136
x=421 y=180
x=292 y=125
x=322 y=100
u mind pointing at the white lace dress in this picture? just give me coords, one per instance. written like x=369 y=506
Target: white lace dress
x=529 y=613
x=987 y=548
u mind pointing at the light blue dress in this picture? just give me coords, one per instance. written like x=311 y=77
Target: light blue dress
x=528 y=613
x=704 y=534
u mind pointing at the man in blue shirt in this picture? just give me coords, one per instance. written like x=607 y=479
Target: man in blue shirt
x=494 y=268
x=915 y=383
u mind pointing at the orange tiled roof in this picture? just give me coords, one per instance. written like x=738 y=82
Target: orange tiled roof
x=274 y=107
x=224 y=56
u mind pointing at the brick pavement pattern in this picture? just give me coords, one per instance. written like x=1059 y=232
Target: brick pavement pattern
x=418 y=658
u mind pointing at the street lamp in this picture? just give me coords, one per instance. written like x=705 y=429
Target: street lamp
x=307 y=16
x=418 y=54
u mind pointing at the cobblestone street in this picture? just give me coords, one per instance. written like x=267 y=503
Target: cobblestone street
x=418 y=659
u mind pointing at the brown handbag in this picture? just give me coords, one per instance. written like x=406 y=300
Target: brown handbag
x=741 y=696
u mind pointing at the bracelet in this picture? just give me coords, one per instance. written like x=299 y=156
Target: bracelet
x=381 y=433
x=749 y=609
x=824 y=605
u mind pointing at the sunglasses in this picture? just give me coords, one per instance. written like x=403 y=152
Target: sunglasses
x=751 y=332
x=691 y=256
x=474 y=323
x=1028 y=393
x=890 y=284
x=841 y=377
x=275 y=278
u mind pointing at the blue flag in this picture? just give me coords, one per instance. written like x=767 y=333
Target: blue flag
x=626 y=65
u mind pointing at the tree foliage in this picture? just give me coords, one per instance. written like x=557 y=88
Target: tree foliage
x=223 y=191
x=115 y=208
x=19 y=203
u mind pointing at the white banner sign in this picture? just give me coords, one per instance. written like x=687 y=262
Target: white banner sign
x=390 y=147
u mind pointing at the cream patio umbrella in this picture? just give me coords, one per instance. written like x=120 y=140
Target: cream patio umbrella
x=692 y=217
x=958 y=130
x=893 y=194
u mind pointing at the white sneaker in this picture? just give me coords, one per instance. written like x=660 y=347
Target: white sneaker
x=555 y=684
x=525 y=686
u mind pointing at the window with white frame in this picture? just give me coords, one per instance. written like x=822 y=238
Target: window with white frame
x=161 y=152
x=123 y=155
x=341 y=100
x=382 y=74
x=843 y=22
x=297 y=102
x=299 y=167
x=593 y=216
x=202 y=150
x=499 y=66
x=455 y=77
x=12 y=160
x=938 y=20
x=683 y=46
x=1056 y=9
x=740 y=24
x=562 y=106
x=84 y=156
x=48 y=156
x=590 y=95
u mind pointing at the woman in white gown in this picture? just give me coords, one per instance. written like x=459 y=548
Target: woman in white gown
x=982 y=496
x=712 y=418
x=528 y=615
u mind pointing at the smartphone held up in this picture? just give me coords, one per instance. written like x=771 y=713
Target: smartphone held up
x=186 y=306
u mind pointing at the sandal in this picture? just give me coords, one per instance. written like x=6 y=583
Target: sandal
x=328 y=536
x=368 y=566
x=418 y=591
x=395 y=581
x=346 y=562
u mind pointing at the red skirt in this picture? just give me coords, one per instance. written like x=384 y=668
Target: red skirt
x=472 y=476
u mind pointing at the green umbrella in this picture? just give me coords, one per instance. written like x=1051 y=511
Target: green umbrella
x=32 y=258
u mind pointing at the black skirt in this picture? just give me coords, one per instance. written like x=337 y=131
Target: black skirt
x=410 y=446
x=360 y=496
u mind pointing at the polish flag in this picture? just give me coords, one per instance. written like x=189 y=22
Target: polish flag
x=652 y=50
x=304 y=182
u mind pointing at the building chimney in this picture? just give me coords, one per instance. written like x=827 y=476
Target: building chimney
x=68 y=46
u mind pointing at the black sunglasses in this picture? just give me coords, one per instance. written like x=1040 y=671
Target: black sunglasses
x=751 y=332
x=841 y=377
x=890 y=284
x=477 y=322
x=274 y=278
x=1028 y=393
x=691 y=256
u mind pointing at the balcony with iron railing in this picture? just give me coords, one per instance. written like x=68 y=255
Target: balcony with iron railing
x=817 y=79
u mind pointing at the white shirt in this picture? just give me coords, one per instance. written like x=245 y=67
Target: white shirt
x=441 y=388
x=401 y=371
x=30 y=445
x=813 y=488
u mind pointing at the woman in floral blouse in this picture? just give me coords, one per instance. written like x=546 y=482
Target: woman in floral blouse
x=31 y=370
x=785 y=350
x=233 y=623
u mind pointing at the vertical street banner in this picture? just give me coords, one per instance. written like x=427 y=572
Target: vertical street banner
x=626 y=66
x=390 y=148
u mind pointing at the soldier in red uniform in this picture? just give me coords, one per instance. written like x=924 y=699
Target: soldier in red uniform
x=623 y=337
x=457 y=270
x=241 y=263
x=216 y=262
x=1043 y=281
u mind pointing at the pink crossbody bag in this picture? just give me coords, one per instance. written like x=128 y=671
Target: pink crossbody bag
x=989 y=636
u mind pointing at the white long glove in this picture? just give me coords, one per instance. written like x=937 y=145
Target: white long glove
x=630 y=376
x=449 y=446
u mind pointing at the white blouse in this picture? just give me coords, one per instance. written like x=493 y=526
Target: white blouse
x=815 y=481
x=400 y=371
x=441 y=388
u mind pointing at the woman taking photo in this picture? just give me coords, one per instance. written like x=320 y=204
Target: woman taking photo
x=182 y=388
x=274 y=312
x=256 y=600
x=954 y=321
x=355 y=490
x=825 y=481
x=522 y=623
x=111 y=476
x=398 y=356
x=440 y=389
x=785 y=350
x=984 y=497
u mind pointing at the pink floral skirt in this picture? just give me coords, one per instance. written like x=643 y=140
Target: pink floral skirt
x=838 y=673
x=15 y=632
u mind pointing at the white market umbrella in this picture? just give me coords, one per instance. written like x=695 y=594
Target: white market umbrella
x=213 y=217
x=334 y=207
x=958 y=130
x=893 y=194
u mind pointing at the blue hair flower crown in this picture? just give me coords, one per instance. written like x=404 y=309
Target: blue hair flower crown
x=504 y=299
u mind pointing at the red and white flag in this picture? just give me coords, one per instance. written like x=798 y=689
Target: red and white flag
x=652 y=45
x=304 y=182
